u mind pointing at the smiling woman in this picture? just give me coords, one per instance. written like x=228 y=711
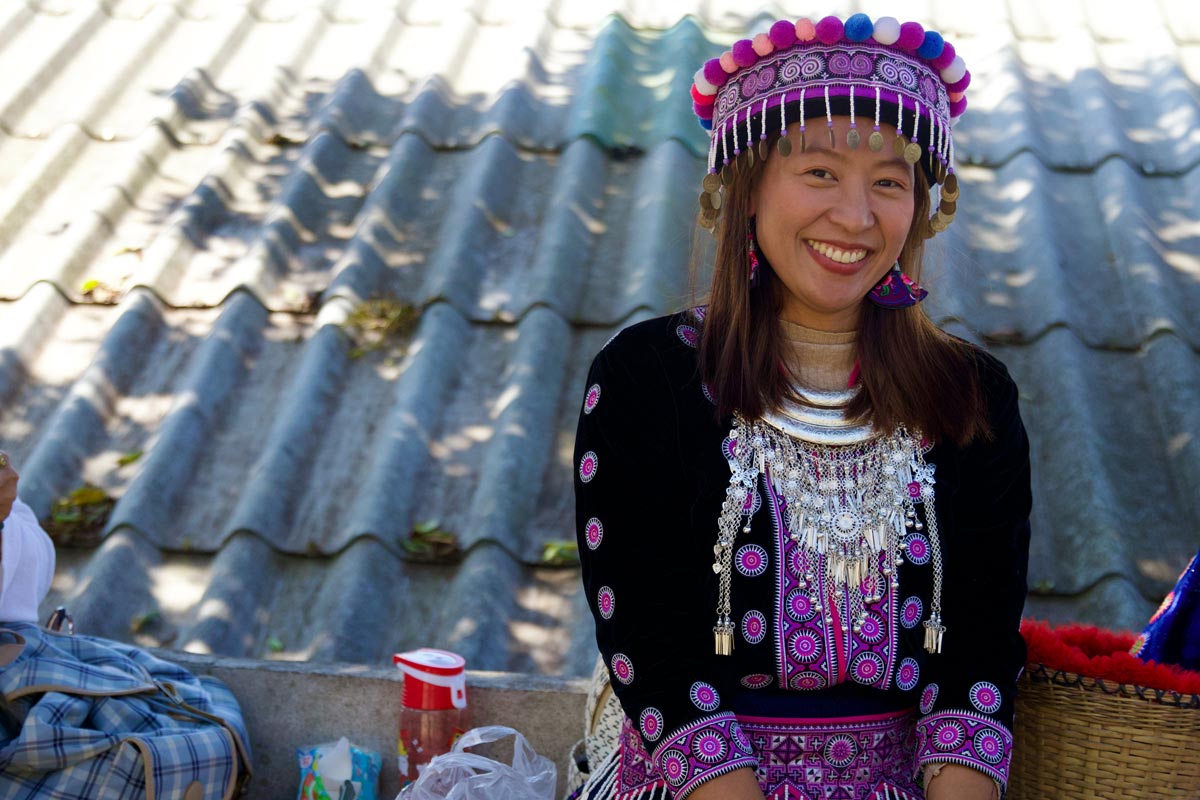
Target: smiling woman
x=814 y=503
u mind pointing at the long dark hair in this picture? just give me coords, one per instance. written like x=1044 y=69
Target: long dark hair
x=911 y=372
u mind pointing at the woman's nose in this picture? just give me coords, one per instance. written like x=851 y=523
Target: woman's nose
x=852 y=209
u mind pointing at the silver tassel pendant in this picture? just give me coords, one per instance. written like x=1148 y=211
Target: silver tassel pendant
x=934 y=631
x=723 y=638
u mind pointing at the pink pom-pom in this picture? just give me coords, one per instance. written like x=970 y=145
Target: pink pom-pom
x=762 y=45
x=953 y=96
x=958 y=107
x=783 y=34
x=943 y=61
x=960 y=86
x=830 y=30
x=714 y=73
x=743 y=53
x=728 y=64
x=805 y=30
x=701 y=98
x=912 y=35
x=703 y=112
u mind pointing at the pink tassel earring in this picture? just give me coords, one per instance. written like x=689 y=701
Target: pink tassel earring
x=896 y=290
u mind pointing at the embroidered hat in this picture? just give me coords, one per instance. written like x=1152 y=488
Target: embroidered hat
x=897 y=73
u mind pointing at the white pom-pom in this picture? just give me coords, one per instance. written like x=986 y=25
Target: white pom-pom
x=887 y=30
x=954 y=73
x=954 y=120
x=702 y=83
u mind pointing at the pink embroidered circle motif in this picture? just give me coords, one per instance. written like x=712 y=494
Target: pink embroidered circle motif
x=872 y=628
x=710 y=747
x=800 y=606
x=908 y=675
x=910 y=612
x=593 y=532
x=985 y=697
x=651 y=723
x=866 y=668
x=751 y=560
x=588 y=466
x=808 y=681
x=675 y=767
x=989 y=747
x=688 y=335
x=840 y=751
x=914 y=490
x=704 y=696
x=949 y=735
x=622 y=668
x=707 y=393
x=805 y=646
x=754 y=627
x=758 y=680
x=928 y=698
x=606 y=601
x=918 y=549
x=591 y=399
x=797 y=563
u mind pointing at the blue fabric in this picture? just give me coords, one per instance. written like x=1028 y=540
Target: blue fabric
x=1173 y=635
x=103 y=720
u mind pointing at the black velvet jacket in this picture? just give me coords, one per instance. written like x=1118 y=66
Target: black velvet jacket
x=650 y=479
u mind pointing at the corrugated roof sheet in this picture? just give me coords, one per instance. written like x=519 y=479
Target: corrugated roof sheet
x=194 y=198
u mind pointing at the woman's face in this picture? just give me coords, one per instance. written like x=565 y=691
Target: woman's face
x=832 y=222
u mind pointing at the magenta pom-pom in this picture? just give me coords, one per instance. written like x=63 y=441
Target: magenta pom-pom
x=958 y=107
x=943 y=61
x=713 y=73
x=830 y=30
x=960 y=86
x=703 y=112
x=783 y=34
x=912 y=36
x=743 y=53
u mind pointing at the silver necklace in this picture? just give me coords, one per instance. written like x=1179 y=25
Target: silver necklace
x=850 y=496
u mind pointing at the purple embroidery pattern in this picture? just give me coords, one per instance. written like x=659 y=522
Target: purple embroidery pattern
x=866 y=668
x=908 y=675
x=688 y=335
x=805 y=646
x=964 y=737
x=844 y=758
x=704 y=696
x=652 y=724
x=985 y=697
x=918 y=549
x=622 y=668
x=754 y=627
x=591 y=399
x=708 y=747
x=593 y=533
x=606 y=601
x=758 y=680
x=751 y=560
x=910 y=612
x=588 y=466
x=808 y=681
x=928 y=698
x=707 y=393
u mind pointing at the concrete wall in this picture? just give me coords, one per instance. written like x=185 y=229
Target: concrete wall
x=290 y=704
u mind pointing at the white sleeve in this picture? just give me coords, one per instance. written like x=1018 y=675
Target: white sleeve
x=26 y=565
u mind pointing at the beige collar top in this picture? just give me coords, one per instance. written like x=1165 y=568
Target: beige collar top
x=819 y=359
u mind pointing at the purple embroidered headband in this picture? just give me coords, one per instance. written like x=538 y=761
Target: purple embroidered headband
x=899 y=73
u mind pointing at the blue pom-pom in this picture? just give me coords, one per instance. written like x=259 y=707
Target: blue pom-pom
x=859 y=28
x=706 y=124
x=932 y=47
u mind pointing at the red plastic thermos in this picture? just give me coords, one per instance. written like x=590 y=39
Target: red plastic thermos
x=433 y=706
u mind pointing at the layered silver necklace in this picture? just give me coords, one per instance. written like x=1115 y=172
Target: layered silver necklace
x=850 y=497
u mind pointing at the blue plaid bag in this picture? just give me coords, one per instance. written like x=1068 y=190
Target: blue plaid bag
x=93 y=719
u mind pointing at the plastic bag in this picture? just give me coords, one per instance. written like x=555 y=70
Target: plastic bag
x=467 y=776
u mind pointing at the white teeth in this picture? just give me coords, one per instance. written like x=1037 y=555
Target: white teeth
x=835 y=254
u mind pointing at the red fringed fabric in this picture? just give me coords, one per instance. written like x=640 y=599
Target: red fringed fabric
x=1099 y=653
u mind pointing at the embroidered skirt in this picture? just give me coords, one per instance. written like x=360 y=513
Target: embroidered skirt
x=870 y=757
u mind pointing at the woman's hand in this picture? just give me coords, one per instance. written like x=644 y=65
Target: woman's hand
x=737 y=785
x=956 y=782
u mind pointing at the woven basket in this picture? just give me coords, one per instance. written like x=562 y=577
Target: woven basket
x=1079 y=737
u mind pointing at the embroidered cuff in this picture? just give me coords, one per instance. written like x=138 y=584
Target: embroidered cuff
x=707 y=748
x=964 y=737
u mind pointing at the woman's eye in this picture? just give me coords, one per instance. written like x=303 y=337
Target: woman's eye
x=820 y=173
